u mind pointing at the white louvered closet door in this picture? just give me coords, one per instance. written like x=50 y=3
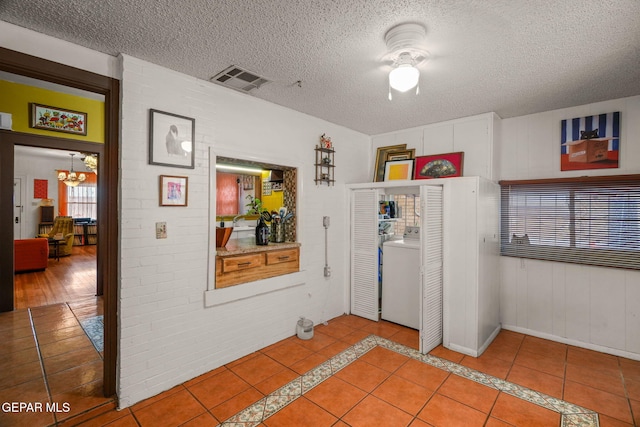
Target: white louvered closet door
x=364 y=254
x=431 y=332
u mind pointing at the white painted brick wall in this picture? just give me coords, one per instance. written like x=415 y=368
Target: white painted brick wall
x=167 y=336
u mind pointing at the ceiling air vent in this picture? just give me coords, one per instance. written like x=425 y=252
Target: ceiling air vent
x=239 y=79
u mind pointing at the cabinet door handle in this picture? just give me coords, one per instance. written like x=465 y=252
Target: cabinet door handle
x=282 y=258
x=244 y=264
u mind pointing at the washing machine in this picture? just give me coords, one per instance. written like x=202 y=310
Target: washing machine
x=401 y=279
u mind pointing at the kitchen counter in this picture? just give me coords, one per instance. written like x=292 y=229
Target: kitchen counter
x=248 y=245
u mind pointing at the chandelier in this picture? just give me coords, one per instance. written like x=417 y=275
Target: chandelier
x=72 y=179
x=91 y=161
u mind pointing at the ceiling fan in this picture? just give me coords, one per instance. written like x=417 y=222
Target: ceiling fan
x=406 y=50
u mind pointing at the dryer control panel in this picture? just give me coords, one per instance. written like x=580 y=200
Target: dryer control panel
x=411 y=232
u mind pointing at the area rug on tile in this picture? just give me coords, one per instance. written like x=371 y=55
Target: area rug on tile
x=94 y=328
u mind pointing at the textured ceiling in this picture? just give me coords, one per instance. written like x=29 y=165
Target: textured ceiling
x=514 y=57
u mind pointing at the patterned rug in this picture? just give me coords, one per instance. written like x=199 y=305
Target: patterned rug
x=94 y=328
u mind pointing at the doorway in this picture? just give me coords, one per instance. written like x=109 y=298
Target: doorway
x=107 y=247
x=72 y=276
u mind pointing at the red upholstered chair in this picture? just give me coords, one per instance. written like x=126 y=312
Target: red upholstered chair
x=30 y=254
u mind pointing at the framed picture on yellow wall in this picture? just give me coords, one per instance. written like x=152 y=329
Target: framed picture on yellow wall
x=57 y=119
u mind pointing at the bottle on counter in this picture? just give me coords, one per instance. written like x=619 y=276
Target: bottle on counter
x=262 y=233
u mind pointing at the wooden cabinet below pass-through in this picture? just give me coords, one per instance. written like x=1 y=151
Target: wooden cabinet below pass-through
x=270 y=261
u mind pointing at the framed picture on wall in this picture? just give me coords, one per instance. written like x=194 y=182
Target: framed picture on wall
x=171 y=140
x=173 y=190
x=446 y=165
x=57 y=119
x=381 y=158
x=398 y=169
x=401 y=155
x=591 y=142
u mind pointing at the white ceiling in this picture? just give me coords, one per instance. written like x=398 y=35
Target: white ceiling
x=514 y=57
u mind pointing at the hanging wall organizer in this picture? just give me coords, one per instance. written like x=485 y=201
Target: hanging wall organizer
x=325 y=162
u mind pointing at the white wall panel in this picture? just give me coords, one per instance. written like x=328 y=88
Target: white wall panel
x=541 y=157
x=632 y=311
x=472 y=138
x=522 y=293
x=578 y=302
x=540 y=297
x=608 y=326
x=558 y=300
x=438 y=139
x=508 y=291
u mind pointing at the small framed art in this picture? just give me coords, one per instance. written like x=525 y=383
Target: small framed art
x=171 y=140
x=57 y=119
x=446 y=165
x=398 y=169
x=401 y=155
x=381 y=158
x=173 y=190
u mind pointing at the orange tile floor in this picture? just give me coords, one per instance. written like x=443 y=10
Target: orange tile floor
x=355 y=372
x=46 y=358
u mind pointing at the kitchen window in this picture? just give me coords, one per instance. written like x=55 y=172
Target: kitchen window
x=590 y=220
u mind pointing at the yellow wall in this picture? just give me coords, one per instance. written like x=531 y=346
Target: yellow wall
x=275 y=201
x=15 y=99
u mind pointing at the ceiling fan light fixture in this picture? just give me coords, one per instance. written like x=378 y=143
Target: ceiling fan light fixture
x=405 y=43
x=404 y=77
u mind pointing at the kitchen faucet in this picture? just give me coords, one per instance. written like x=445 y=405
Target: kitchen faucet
x=236 y=218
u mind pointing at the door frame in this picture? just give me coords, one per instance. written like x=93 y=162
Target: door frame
x=107 y=260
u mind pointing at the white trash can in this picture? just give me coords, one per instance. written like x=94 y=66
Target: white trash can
x=304 y=329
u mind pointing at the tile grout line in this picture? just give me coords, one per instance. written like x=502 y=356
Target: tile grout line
x=248 y=416
x=41 y=360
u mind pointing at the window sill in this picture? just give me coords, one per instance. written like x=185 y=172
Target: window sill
x=215 y=297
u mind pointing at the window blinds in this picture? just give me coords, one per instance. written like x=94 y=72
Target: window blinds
x=591 y=220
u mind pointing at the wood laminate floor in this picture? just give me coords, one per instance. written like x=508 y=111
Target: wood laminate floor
x=71 y=278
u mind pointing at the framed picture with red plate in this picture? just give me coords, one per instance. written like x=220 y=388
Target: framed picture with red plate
x=446 y=165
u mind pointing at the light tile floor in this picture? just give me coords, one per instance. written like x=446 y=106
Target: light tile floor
x=360 y=373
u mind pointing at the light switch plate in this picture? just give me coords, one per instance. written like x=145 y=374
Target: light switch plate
x=161 y=230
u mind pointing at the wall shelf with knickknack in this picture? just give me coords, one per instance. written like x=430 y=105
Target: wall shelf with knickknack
x=325 y=166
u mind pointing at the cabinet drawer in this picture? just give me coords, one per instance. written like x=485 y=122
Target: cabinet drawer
x=242 y=262
x=277 y=257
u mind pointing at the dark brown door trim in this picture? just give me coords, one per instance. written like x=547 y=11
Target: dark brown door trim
x=26 y=65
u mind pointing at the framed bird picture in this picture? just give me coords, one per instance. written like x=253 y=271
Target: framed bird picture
x=171 y=140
